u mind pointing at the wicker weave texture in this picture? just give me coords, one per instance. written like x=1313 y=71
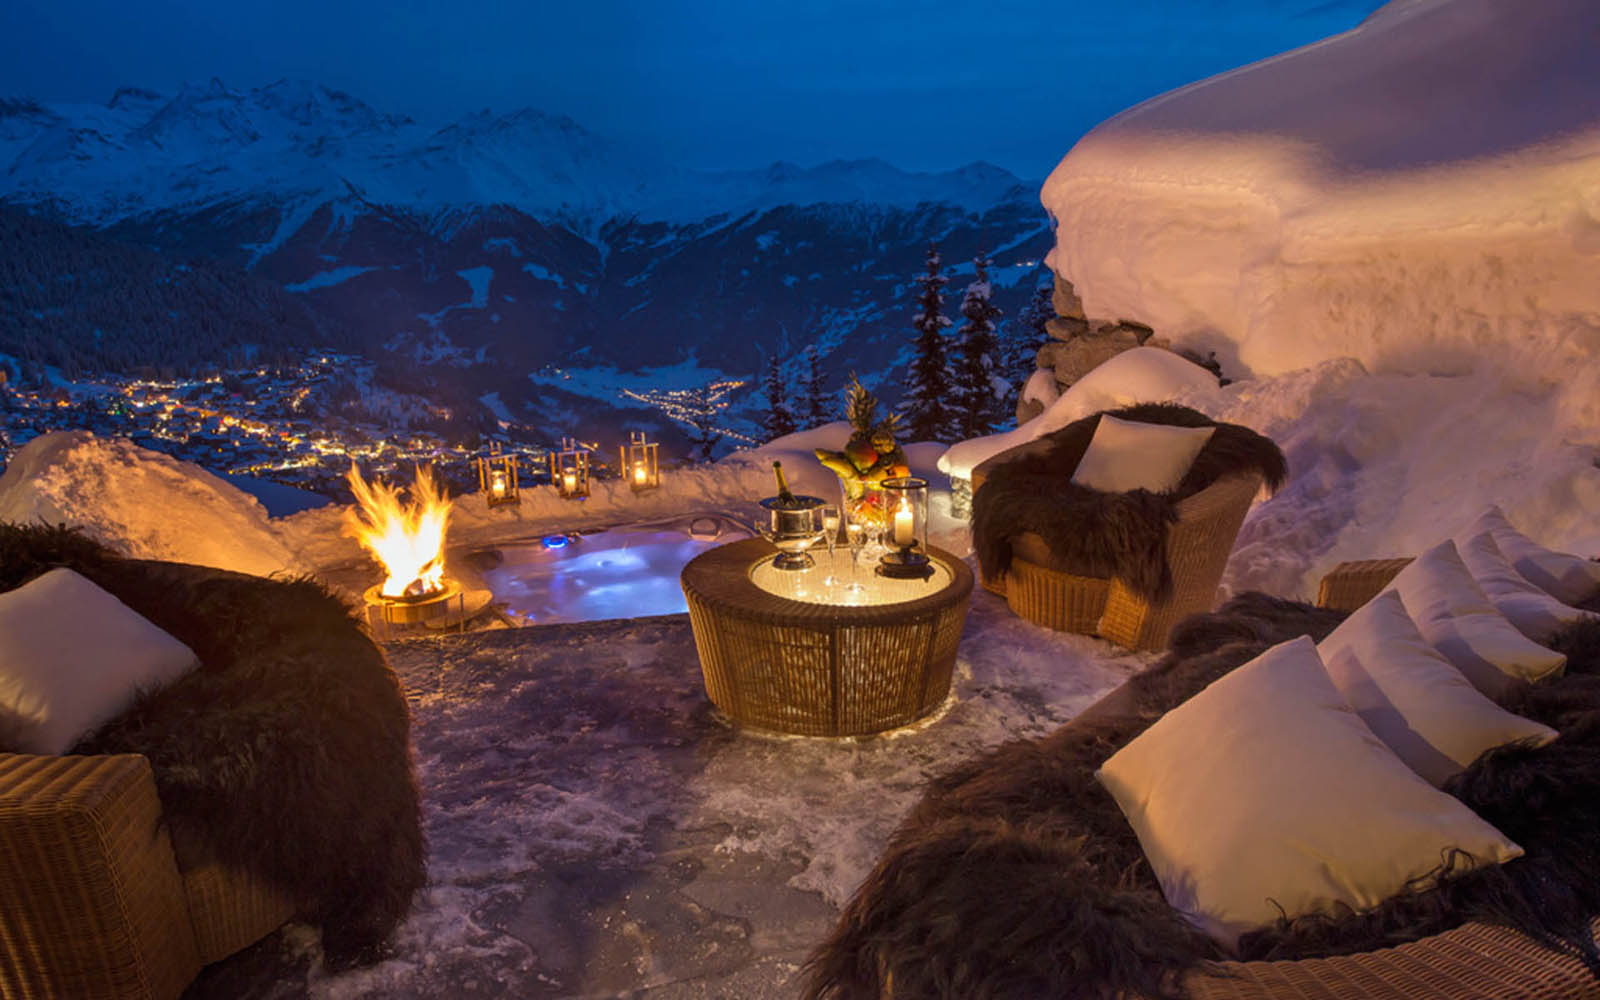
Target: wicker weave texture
x=231 y=909
x=1471 y=962
x=1352 y=584
x=1198 y=546
x=93 y=906
x=816 y=669
x=1053 y=599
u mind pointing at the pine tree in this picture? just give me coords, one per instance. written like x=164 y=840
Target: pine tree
x=926 y=406
x=977 y=401
x=814 y=400
x=1019 y=350
x=780 y=419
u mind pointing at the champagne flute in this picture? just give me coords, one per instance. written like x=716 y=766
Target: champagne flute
x=855 y=533
x=830 y=534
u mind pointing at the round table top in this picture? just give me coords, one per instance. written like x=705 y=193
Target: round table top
x=874 y=589
x=739 y=575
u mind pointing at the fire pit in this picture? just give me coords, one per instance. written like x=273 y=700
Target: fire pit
x=407 y=539
x=419 y=609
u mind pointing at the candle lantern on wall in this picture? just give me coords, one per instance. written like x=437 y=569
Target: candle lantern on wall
x=640 y=463
x=905 y=529
x=569 y=470
x=497 y=477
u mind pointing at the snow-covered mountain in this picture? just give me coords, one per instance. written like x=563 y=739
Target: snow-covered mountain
x=497 y=246
x=295 y=141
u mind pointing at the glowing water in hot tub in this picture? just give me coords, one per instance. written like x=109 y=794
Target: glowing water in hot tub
x=620 y=573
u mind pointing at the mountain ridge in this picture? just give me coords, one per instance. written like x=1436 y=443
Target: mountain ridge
x=142 y=152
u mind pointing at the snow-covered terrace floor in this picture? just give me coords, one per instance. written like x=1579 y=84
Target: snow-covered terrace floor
x=595 y=830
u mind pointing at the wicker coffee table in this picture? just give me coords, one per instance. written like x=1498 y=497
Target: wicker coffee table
x=800 y=664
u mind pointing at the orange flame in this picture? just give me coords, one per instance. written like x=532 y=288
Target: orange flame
x=407 y=538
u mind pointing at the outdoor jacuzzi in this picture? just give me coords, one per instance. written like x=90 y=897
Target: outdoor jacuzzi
x=623 y=572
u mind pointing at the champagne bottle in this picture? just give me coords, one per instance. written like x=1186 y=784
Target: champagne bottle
x=786 y=499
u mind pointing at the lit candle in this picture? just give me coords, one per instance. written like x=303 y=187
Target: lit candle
x=569 y=482
x=497 y=483
x=903 y=533
x=638 y=474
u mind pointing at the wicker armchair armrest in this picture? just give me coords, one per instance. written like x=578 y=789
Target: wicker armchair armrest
x=1352 y=584
x=93 y=903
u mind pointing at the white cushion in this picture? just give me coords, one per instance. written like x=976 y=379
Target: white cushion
x=1414 y=699
x=1127 y=455
x=1266 y=790
x=71 y=658
x=1568 y=578
x=1456 y=618
x=1532 y=611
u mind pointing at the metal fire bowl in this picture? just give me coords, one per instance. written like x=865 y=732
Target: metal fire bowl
x=413 y=610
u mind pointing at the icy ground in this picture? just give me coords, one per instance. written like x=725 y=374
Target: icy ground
x=595 y=830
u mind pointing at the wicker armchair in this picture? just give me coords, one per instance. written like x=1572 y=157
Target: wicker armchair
x=1197 y=546
x=99 y=901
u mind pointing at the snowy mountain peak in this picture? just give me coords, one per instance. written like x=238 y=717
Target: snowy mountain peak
x=296 y=142
x=134 y=99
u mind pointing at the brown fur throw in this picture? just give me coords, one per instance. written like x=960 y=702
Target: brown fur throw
x=1017 y=875
x=286 y=753
x=1106 y=535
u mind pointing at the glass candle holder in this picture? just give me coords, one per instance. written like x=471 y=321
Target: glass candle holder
x=905 y=528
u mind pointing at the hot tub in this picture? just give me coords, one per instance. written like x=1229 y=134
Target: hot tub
x=623 y=572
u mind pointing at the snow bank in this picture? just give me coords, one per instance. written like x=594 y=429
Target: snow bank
x=1390 y=464
x=1140 y=375
x=1421 y=193
x=141 y=503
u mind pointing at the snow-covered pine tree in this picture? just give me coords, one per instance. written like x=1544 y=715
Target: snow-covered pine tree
x=926 y=407
x=813 y=400
x=780 y=419
x=1019 y=349
x=979 y=388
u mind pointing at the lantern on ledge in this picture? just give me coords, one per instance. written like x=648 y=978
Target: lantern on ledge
x=905 y=529
x=569 y=470
x=640 y=463
x=497 y=477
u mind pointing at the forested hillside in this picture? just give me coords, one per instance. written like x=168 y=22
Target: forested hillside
x=77 y=300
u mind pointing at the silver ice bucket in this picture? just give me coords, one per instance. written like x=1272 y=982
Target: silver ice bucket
x=793 y=527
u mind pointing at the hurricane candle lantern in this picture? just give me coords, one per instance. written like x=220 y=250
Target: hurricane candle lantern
x=640 y=463
x=497 y=477
x=905 y=528
x=569 y=470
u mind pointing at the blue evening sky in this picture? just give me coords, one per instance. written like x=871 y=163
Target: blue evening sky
x=710 y=83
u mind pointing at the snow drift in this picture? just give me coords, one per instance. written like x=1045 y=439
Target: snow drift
x=141 y=503
x=1421 y=193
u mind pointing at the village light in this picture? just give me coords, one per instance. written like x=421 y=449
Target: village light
x=640 y=462
x=569 y=470
x=905 y=532
x=497 y=477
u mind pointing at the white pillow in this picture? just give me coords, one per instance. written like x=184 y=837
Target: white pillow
x=1127 y=455
x=1266 y=790
x=1532 y=611
x=1411 y=697
x=1456 y=618
x=71 y=658
x=1568 y=578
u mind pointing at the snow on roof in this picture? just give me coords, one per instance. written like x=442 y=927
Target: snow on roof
x=1418 y=193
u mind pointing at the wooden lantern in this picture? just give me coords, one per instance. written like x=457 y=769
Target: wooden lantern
x=640 y=462
x=497 y=477
x=569 y=470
